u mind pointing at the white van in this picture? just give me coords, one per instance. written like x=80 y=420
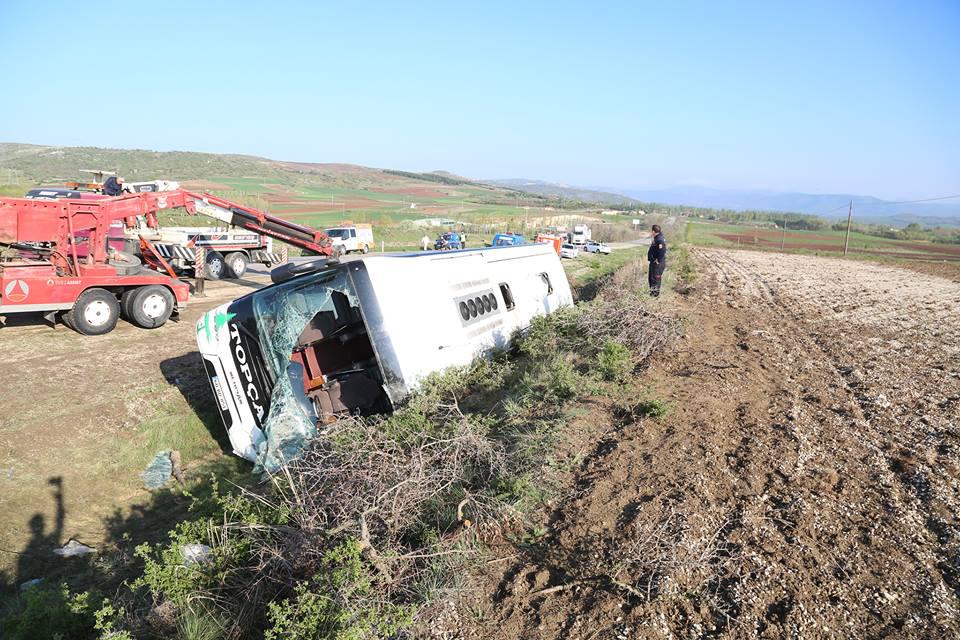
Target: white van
x=352 y=237
x=357 y=337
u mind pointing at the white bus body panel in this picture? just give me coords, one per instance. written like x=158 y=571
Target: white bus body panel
x=226 y=381
x=420 y=310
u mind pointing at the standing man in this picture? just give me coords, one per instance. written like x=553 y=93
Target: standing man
x=657 y=257
x=425 y=242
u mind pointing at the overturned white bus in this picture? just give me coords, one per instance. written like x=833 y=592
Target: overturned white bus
x=357 y=337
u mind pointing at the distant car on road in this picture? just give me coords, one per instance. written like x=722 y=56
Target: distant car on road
x=508 y=240
x=568 y=250
x=596 y=247
x=448 y=240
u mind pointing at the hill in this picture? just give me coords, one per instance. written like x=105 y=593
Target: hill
x=45 y=164
x=554 y=190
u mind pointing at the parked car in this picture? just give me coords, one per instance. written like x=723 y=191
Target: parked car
x=596 y=247
x=448 y=240
x=508 y=240
x=568 y=250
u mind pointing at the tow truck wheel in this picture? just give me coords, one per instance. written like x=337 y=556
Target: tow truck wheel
x=236 y=264
x=126 y=304
x=95 y=313
x=150 y=306
x=215 y=265
x=125 y=263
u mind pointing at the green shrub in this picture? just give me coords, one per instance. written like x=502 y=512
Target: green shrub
x=338 y=603
x=550 y=334
x=42 y=613
x=686 y=270
x=614 y=362
x=551 y=380
x=651 y=409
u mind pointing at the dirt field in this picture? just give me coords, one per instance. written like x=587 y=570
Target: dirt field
x=81 y=416
x=423 y=192
x=918 y=251
x=804 y=485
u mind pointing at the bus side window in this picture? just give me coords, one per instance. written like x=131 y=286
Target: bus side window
x=546 y=279
x=507 y=296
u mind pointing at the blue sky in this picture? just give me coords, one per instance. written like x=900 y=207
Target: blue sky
x=819 y=97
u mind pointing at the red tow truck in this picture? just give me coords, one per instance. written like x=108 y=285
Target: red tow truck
x=54 y=256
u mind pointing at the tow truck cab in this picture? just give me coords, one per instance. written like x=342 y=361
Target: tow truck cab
x=357 y=337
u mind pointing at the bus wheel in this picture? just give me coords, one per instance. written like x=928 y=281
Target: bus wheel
x=236 y=264
x=150 y=306
x=366 y=248
x=215 y=265
x=95 y=313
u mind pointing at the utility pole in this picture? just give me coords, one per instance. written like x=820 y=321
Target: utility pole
x=783 y=238
x=846 y=241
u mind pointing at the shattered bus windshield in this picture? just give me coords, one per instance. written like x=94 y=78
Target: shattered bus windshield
x=316 y=346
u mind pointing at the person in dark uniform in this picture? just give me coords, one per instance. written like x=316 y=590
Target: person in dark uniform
x=113 y=186
x=657 y=257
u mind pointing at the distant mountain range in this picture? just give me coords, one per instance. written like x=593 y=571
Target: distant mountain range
x=830 y=206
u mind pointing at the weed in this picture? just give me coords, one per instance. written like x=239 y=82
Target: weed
x=337 y=603
x=552 y=379
x=196 y=623
x=653 y=408
x=614 y=362
x=45 y=612
x=686 y=270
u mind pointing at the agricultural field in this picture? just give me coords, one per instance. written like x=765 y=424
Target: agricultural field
x=825 y=242
x=802 y=481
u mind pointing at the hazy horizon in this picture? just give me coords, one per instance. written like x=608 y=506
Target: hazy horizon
x=811 y=99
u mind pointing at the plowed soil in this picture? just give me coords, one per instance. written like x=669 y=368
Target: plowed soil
x=804 y=485
x=424 y=192
x=902 y=250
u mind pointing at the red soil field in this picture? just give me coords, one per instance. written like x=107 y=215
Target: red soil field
x=948 y=249
x=921 y=251
x=204 y=185
x=425 y=192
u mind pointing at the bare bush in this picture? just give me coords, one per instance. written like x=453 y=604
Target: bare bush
x=622 y=315
x=672 y=555
x=367 y=484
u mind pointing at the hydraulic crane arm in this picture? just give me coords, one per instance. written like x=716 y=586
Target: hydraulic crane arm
x=306 y=238
x=231 y=213
x=30 y=221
